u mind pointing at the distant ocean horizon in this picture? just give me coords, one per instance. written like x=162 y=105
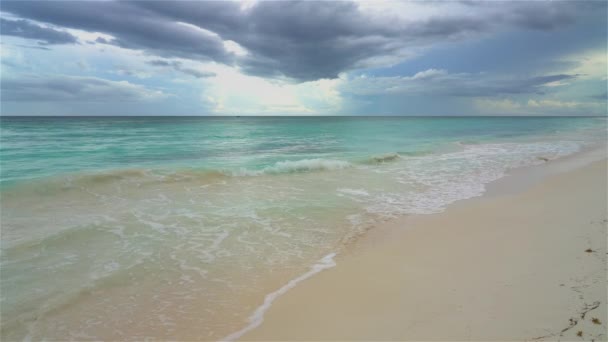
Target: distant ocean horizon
x=162 y=225
x=299 y=116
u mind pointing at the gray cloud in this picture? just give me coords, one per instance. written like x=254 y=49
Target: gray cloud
x=71 y=88
x=301 y=40
x=536 y=15
x=434 y=82
x=160 y=63
x=101 y=40
x=131 y=72
x=26 y=29
x=35 y=47
x=196 y=73
x=132 y=27
x=178 y=66
x=602 y=96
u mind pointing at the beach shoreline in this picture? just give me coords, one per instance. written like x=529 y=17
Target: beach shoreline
x=502 y=266
x=144 y=248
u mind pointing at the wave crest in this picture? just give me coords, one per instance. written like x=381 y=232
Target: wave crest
x=296 y=166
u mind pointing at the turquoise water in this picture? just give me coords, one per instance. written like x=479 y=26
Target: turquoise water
x=128 y=228
x=39 y=147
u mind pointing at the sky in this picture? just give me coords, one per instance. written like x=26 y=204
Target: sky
x=248 y=57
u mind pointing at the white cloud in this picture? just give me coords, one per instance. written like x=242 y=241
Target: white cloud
x=503 y=106
x=589 y=64
x=235 y=48
x=553 y=106
x=234 y=93
x=430 y=73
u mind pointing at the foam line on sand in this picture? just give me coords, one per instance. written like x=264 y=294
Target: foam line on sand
x=258 y=315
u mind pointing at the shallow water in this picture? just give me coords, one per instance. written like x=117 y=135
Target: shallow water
x=178 y=228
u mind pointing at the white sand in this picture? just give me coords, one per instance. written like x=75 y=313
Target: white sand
x=508 y=266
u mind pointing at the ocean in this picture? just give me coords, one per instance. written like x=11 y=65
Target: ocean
x=188 y=228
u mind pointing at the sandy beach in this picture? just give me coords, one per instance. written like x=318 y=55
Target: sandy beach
x=303 y=170
x=526 y=261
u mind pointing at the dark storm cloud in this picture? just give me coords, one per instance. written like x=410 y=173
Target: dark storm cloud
x=308 y=40
x=26 y=29
x=71 y=88
x=302 y=40
x=131 y=26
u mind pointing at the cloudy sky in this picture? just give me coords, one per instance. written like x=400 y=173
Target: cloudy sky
x=303 y=58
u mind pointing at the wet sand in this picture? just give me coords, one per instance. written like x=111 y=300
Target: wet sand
x=527 y=261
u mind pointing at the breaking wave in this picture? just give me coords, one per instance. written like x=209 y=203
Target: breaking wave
x=296 y=166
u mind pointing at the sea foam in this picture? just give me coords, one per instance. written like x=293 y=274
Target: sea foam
x=258 y=315
x=303 y=165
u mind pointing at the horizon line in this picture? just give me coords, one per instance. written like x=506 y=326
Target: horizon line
x=304 y=116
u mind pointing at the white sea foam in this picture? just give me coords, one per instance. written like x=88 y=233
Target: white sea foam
x=445 y=178
x=354 y=192
x=303 y=165
x=258 y=315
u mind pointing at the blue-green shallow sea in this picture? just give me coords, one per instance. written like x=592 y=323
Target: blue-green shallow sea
x=156 y=227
